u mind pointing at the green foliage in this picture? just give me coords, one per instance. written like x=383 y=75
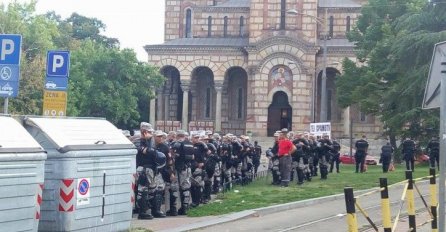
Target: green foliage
x=105 y=81
x=395 y=39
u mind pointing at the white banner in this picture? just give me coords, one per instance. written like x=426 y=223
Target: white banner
x=320 y=128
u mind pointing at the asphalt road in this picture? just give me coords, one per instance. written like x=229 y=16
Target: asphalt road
x=328 y=216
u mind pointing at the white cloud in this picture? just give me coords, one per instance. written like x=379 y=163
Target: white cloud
x=134 y=22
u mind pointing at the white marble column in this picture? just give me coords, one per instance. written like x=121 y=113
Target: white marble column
x=347 y=121
x=166 y=107
x=218 y=88
x=160 y=106
x=185 y=120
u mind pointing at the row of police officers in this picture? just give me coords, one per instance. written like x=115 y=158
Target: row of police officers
x=302 y=155
x=189 y=168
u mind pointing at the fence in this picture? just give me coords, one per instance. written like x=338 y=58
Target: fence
x=410 y=189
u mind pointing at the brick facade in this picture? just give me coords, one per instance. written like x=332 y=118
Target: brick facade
x=243 y=52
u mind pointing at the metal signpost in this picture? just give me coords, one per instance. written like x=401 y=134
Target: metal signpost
x=10 y=48
x=434 y=97
x=56 y=83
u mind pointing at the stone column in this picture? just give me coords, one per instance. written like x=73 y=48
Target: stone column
x=347 y=121
x=218 y=88
x=152 y=109
x=160 y=107
x=166 y=106
x=185 y=86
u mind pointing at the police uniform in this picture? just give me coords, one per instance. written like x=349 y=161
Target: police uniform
x=184 y=155
x=361 y=151
x=323 y=147
x=200 y=150
x=409 y=154
x=335 y=155
x=150 y=181
x=225 y=154
x=386 y=156
x=433 y=148
x=256 y=157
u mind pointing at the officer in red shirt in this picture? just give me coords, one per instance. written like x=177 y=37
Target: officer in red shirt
x=286 y=148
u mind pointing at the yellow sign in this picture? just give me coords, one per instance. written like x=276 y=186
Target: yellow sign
x=54 y=103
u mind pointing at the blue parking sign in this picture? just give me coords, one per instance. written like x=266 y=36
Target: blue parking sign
x=10 y=49
x=58 y=64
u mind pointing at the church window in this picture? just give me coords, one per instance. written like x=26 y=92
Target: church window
x=282 y=14
x=347 y=24
x=225 y=26
x=242 y=25
x=209 y=26
x=188 y=23
x=330 y=32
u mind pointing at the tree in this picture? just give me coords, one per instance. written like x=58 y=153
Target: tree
x=104 y=81
x=395 y=39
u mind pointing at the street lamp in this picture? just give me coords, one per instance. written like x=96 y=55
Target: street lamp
x=323 y=112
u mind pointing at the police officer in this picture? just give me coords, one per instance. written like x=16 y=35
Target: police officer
x=324 y=146
x=162 y=147
x=236 y=160
x=272 y=155
x=218 y=171
x=256 y=157
x=299 y=160
x=335 y=155
x=361 y=151
x=314 y=154
x=150 y=182
x=184 y=155
x=200 y=152
x=225 y=154
x=409 y=153
x=210 y=165
x=433 y=149
x=386 y=156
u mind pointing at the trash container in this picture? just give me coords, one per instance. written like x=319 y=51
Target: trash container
x=21 y=177
x=89 y=174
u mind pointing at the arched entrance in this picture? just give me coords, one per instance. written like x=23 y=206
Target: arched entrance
x=172 y=96
x=279 y=113
x=333 y=111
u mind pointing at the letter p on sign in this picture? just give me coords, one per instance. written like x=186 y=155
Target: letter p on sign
x=7 y=48
x=58 y=64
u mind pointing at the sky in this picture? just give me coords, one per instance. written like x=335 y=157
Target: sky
x=134 y=22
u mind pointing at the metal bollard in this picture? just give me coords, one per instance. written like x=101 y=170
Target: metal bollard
x=434 y=201
x=350 y=207
x=385 y=205
x=410 y=202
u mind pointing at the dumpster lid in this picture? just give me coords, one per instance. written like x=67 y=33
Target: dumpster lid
x=80 y=133
x=14 y=138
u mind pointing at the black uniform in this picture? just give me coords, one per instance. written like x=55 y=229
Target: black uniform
x=324 y=148
x=146 y=171
x=433 y=148
x=335 y=154
x=256 y=157
x=409 y=154
x=184 y=155
x=300 y=160
x=200 y=150
x=275 y=163
x=361 y=152
x=386 y=156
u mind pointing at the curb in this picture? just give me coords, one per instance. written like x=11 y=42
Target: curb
x=259 y=212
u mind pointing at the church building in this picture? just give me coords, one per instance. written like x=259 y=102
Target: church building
x=256 y=66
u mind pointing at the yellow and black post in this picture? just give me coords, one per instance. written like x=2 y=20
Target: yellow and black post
x=410 y=202
x=385 y=205
x=350 y=206
x=434 y=201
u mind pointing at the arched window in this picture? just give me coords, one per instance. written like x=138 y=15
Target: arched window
x=225 y=26
x=282 y=14
x=240 y=103
x=242 y=26
x=209 y=26
x=347 y=24
x=208 y=100
x=188 y=23
x=330 y=32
